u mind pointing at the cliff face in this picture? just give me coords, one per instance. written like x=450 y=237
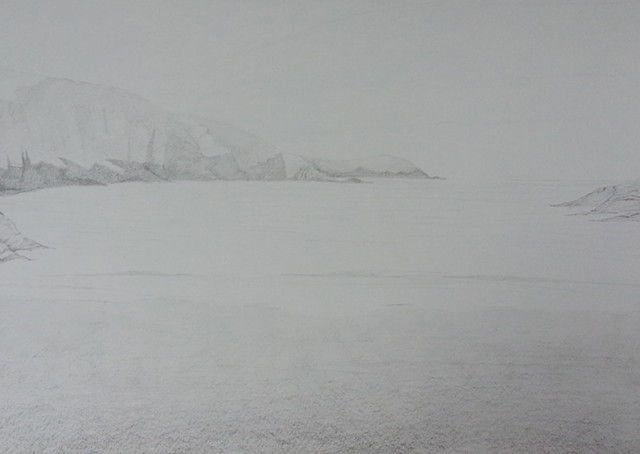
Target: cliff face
x=88 y=125
x=59 y=132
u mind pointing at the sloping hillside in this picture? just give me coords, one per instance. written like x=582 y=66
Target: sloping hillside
x=618 y=202
x=56 y=132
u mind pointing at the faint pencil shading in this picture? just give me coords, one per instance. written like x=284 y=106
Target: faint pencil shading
x=58 y=132
x=610 y=203
x=245 y=248
x=12 y=242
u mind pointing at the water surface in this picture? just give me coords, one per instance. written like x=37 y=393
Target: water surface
x=398 y=316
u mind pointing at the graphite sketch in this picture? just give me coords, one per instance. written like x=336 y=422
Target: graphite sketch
x=244 y=247
x=120 y=137
x=58 y=132
x=12 y=242
x=610 y=203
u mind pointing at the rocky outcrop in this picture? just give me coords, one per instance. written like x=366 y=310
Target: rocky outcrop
x=610 y=203
x=12 y=242
x=58 y=132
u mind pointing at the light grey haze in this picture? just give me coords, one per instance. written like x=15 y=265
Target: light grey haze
x=229 y=296
x=464 y=89
x=397 y=317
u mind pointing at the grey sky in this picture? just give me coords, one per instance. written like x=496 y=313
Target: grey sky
x=547 y=89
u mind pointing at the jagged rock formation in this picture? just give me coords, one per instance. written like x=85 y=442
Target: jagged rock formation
x=610 y=203
x=12 y=242
x=56 y=132
x=59 y=132
x=379 y=166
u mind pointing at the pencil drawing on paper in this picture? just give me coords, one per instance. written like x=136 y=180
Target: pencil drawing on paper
x=300 y=227
x=620 y=202
x=85 y=134
x=12 y=242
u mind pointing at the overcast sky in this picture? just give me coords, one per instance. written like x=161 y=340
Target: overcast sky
x=543 y=89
